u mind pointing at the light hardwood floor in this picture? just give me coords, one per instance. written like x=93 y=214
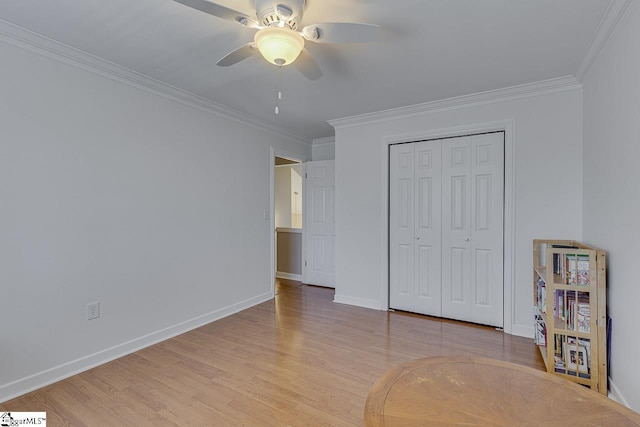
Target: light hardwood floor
x=299 y=359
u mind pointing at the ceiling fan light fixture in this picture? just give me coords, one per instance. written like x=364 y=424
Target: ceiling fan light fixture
x=279 y=46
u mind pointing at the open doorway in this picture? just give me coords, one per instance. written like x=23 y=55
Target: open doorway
x=288 y=247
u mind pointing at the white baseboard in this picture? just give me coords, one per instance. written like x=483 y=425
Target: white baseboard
x=522 y=331
x=66 y=370
x=359 y=302
x=289 y=276
x=615 y=394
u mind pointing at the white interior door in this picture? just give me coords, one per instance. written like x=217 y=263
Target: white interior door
x=487 y=229
x=401 y=223
x=428 y=230
x=319 y=223
x=456 y=223
x=446 y=228
x=415 y=221
x=472 y=228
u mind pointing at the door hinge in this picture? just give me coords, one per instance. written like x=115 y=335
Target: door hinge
x=306 y=175
x=305 y=263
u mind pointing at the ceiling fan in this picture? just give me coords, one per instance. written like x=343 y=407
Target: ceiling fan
x=278 y=38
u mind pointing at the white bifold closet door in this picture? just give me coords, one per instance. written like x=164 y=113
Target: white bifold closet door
x=415 y=232
x=446 y=228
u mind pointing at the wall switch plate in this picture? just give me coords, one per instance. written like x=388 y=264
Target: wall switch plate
x=93 y=310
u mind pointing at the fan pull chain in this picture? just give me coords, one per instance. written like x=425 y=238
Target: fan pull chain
x=279 y=98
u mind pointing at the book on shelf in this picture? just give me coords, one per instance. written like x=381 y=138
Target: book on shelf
x=583 y=271
x=557 y=264
x=557 y=258
x=577 y=358
x=574 y=309
x=540 y=331
x=577 y=269
x=572 y=356
x=541 y=297
x=583 y=317
x=572 y=268
x=558 y=307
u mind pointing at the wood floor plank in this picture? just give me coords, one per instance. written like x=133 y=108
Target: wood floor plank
x=299 y=359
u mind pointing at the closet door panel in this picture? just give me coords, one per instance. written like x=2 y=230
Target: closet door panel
x=428 y=259
x=487 y=229
x=401 y=227
x=456 y=223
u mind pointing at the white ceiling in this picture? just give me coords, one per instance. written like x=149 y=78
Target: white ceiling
x=429 y=50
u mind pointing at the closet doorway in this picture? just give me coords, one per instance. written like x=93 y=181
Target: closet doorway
x=446 y=227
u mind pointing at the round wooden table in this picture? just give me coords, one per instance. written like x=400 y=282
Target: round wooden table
x=441 y=391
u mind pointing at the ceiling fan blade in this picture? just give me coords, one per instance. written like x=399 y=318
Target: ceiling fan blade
x=307 y=65
x=240 y=54
x=341 y=32
x=221 y=12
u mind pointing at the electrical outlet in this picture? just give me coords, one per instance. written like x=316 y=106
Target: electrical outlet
x=93 y=310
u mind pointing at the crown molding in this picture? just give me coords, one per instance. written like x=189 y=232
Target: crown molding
x=44 y=46
x=544 y=87
x=319 y=142
x=606 y=27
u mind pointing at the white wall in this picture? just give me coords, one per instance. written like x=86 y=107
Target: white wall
x=548 y=187
x=611 y=196
x=323 y=149
x=296 y=196
x=287 y=204
x=282 y=196
x=289 y=249
x=114 y=194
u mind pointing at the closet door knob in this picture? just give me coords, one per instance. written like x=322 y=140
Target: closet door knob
x=466 y=240
x=417 y=237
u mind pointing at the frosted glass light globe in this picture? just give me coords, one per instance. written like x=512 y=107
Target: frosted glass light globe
x=280 y=46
